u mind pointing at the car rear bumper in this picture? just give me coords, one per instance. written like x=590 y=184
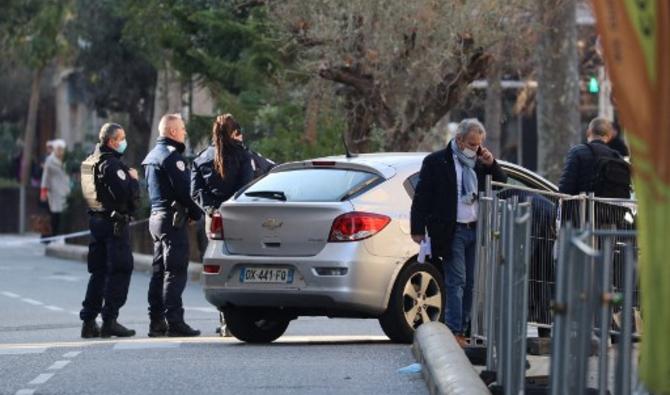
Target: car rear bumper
x=362 y=290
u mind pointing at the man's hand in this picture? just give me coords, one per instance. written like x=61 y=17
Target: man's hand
x=486 y=157
x=418 y=238
x=44 y=194
x=133 y=173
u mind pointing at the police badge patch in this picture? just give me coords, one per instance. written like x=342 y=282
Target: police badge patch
x=121 y=174
x=180 y=165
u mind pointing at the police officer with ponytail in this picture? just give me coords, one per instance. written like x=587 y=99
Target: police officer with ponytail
x=222 y=168
x=111 y=191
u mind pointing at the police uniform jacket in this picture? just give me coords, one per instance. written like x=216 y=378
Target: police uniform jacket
x=168 y=177
x=117 y=190
x=208 y=188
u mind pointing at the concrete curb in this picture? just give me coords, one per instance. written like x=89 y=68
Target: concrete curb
x=143 y=262
x=446 y=369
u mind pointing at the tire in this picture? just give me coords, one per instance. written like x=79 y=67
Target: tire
x=255 y=325
x=417 y=298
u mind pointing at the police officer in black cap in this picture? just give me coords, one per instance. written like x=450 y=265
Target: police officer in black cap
x=112 y=193
x=168 y=179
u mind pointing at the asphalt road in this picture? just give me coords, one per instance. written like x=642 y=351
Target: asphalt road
x=41 y=352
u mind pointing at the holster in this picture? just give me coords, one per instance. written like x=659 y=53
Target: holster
x=120 y=222
x=180 y=215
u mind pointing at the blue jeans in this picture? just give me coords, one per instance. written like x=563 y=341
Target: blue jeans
x=459 y=279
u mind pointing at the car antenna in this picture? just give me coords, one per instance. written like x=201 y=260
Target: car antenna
x=347 y=151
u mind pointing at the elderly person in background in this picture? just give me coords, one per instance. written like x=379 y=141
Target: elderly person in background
x=55 y=185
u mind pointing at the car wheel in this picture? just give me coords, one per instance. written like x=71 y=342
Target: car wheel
x=417 y=298
x=254 y=325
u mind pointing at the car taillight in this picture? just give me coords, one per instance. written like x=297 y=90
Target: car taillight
x=211 y=269
x=357 y=226
x=216 y=227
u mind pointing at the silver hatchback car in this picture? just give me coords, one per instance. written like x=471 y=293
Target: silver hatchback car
x=325 y=237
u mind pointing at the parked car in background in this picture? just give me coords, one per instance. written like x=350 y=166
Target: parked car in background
x=326 y=237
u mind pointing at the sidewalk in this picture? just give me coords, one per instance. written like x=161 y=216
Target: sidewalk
x=143 y=262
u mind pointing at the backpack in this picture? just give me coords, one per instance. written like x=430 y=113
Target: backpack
x=260 y=164
x=611 y=177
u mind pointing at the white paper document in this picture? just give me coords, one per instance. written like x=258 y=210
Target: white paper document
x=424 y=250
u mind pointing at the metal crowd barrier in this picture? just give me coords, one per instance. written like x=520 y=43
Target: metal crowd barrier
x=583 y=305
x=550 y=212
x=573 y=283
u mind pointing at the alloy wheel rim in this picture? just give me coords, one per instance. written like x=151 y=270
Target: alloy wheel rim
x=421 y=299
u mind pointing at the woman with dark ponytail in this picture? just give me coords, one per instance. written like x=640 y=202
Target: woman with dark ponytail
x=223 y=168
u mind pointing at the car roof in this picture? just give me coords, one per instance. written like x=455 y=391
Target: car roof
x=381 y=160
x=409 y=161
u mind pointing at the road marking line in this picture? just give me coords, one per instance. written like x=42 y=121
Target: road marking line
x=21 y=351
x=144 y=346
x=58 y=365
x=202 y=309
x=54 y=308
x=25 y=391
x=32 y=302
x=41 y=379
x=10 y=294
x=71 y=354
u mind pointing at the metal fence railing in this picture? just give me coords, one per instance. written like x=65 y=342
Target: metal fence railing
x=550 y=212
x=574 y=283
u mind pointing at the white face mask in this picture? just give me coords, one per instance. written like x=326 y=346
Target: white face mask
x=469 y=153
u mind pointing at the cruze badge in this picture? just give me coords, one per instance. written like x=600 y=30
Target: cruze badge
x=272 y=223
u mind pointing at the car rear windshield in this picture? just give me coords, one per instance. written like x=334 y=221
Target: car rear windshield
x=311 y=185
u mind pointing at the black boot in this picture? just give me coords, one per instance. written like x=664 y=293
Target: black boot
x=181 y=329
x=90 y=329
x=158 y=328
x=112 y=328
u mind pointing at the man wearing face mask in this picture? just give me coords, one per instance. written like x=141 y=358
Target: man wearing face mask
x=445 y=206
x=111 y=191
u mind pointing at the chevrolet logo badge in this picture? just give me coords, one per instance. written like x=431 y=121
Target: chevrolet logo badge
x=272 y=223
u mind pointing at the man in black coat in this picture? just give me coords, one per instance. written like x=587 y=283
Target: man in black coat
x=580 y=164
x=445 y=205
x=579 y=174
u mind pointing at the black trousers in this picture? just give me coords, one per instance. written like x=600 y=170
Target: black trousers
x=170 y=268
x=110 y=262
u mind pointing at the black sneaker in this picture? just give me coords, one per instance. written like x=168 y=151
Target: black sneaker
x=113 y=328
x=158 y=328
x=181 y=329
x=90 y=329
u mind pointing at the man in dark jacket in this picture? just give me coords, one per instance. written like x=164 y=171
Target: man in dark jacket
x=445 y=204
x=580 y=169
x=580 y=164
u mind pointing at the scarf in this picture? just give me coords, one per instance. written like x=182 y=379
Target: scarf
x=468 y=192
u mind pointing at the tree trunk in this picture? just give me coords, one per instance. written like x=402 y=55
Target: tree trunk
x=31 y=124
x=558 y=115
x=359 y=127
x=493 y=109
x=313 y=110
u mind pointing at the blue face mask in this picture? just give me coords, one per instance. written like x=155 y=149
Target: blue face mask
x=122 y=146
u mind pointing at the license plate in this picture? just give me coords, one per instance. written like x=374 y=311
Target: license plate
x=266 y=275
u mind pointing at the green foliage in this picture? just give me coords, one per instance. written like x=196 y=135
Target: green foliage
x=284 y=139
x=9 y=133
x=32 y=30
